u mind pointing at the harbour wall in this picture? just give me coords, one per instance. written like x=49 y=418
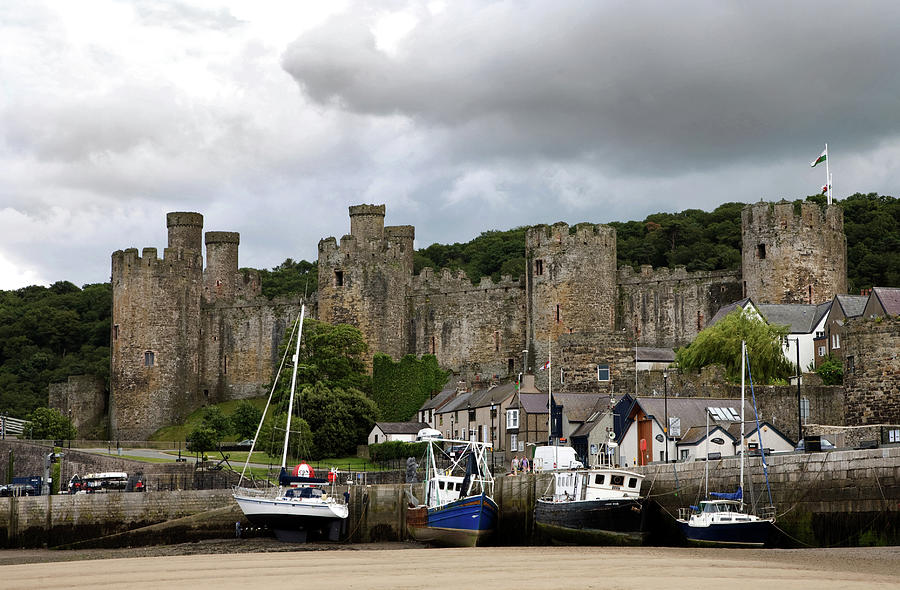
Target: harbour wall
x=837 y=498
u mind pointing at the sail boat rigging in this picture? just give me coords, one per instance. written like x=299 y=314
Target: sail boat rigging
x=723 y=519
x=298 y=505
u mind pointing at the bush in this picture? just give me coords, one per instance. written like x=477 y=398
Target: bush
x=831 y=371
x=396 y=449
x=245 y=420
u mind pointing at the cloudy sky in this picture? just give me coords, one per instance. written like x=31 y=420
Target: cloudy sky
x=271 y=118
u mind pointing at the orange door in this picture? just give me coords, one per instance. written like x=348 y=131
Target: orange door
x=645 y=441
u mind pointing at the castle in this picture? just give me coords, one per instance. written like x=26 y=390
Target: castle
x=184 y=335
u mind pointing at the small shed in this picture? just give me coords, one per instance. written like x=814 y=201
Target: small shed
x=388 y=431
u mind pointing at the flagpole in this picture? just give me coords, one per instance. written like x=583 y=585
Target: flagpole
x=827 y=176
x=549 y=390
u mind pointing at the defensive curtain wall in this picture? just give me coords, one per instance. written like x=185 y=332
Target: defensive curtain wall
x=183 y=336
x=872 y=370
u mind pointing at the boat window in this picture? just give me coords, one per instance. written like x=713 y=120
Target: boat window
x=617 y=480
x=599 y=478
x=459 y=486
x=632 y=482
x=441 y=485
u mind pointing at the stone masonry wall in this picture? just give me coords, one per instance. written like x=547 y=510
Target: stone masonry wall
x=667 y=308
x=580 y=353
x=472 y=329
x=241 y=340
x=793 y=256
x=570 y=285
x=872 y=370
x=83 y=399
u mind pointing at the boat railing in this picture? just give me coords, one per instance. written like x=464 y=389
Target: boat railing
x=684 y=513
x=766 y=512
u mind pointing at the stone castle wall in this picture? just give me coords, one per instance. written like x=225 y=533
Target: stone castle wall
x=476 y=329
x=872 y=370
x=666 y=308
x=82 y=398
x=364 y=280
x=793 y=254
x=570 y=285
x=581 y=352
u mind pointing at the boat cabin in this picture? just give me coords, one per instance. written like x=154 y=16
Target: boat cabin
x=596 y=484
x=446 y=488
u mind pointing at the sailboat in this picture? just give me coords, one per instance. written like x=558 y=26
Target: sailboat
x=723 y=519
x=459 y=509
x=300 y=506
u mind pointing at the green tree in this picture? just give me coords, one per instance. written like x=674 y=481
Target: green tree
x=831 y=371
x=245 y=420
x=290 y=277
x=47 y=423
x=214 y=419
x=202 y=439
x=340 y=419
x=720 y=344
x=300 y=443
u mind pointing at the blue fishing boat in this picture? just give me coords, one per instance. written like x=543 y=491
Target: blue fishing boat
x=459 y=509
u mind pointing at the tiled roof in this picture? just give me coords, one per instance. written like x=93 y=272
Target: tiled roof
x=727 y=309
x=578 y=407
x=401 y=427
x=889 y=298
x=852 y=305
x=533 y=403
x=656 y=355
x=801 y=318
x=691 y=410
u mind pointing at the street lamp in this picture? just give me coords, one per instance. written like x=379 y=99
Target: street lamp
x=493 y=415
x=666 y=409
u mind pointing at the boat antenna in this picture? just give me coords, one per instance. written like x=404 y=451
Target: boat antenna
x=287 y=433
x=268 y=403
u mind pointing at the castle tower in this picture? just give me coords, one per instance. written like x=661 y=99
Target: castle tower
x=156 y=331
x=365 y=280
x=220 y=279
x=570 y=287
x=793 y=253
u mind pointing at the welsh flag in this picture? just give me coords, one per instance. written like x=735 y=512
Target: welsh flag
x=824 y=189
x=546 y=365
x=822 y=157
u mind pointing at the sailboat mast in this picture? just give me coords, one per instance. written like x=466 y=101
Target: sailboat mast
x=743 y=376
x=287 y=428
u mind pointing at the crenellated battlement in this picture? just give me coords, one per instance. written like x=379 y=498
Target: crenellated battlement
x=562 y=235
x=449 y=281
x=648 y=274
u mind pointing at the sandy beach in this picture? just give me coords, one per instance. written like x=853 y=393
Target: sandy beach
x=261 y=563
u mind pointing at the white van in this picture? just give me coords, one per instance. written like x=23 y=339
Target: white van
x=549 y=458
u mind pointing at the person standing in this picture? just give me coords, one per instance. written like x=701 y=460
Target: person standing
x=524 y=465
x=515 y=465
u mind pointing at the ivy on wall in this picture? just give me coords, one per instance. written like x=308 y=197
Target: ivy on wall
x=400 y=388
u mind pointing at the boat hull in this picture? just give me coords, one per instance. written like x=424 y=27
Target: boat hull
x=755 y=533
x=466 y=522
x=591 y=522
x=295 y=521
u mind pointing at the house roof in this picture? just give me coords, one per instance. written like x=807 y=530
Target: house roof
x=578 y=407
x=691 y=411
x=440 y=399
x=801 y=318
x=852 y=305
x=697 y=434
x=889 y=297
x=459 y=402
x=401 y=427
x=727 y=309
x=494 y=395
x=533 y=403
x=654 y=355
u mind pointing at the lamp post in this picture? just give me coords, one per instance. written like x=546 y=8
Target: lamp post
x=493 y=415
x=666 y=410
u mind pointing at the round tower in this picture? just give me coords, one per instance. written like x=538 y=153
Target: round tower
x=570 y=284
x=367 y=222
x=185 y=230
x=220 y=275
x=793 y=252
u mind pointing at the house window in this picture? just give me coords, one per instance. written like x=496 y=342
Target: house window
x=894 y=435
x=538 y=267
x=761 y=251
x=472 y=434
x=338 y=278
x=512 y=419
x=149 y=358
x=662 y=455
x=513 y=441
x=804 y=409
x=851 y=365
x=685 y=454
x=820 y=334
x=602 y=372
x=471 y=415
x=835 y=341
x=521 y=445
x=376 y=439
x=821 y=351
x=441 y=420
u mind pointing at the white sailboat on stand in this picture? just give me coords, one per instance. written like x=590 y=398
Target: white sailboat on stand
x=300 y=505
x=723 y=519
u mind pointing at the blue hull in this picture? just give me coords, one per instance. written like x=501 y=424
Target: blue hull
x=737 y=534
x=463 y=523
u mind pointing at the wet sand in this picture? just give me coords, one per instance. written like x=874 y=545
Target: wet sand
x=262 y=563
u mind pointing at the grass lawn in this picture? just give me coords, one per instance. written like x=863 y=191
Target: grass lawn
x=179 y=432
